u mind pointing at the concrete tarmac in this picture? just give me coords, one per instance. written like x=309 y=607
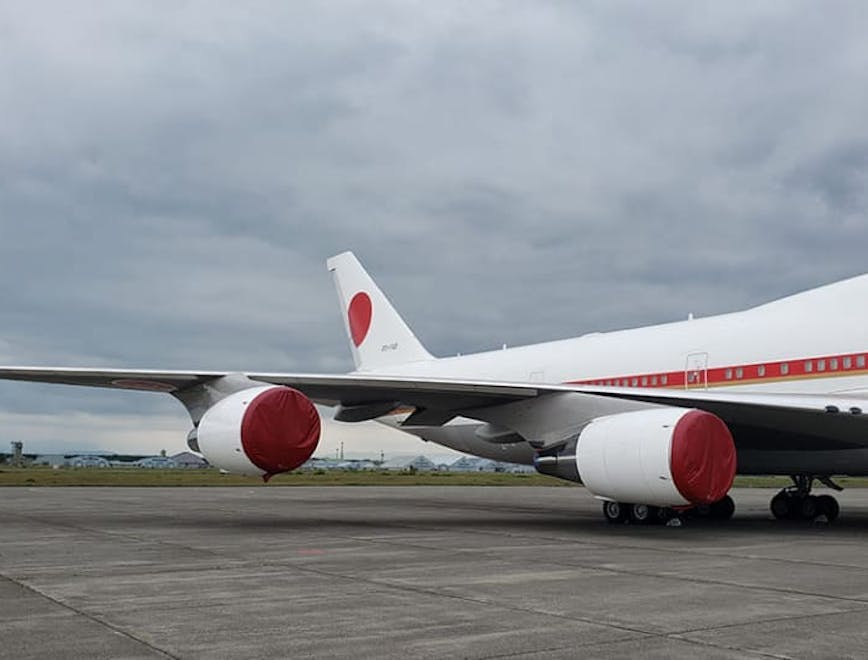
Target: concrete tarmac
x=422 y=572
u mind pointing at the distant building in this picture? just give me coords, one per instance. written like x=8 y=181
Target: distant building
x=321 y=464
x=156 y=462
x=88 y=461
x=476 y=464
x=51 y=460
x=189 y=460
x=418 y=463
x=472 y=464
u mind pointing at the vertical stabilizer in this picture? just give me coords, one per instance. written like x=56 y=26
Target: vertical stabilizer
x=378 y=335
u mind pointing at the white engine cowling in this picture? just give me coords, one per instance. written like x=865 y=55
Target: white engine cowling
x=663 y=457
x=260 y=431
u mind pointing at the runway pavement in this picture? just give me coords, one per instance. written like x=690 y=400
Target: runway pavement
x=417 y=572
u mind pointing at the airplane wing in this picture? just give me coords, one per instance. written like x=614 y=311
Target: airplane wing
x=326 y=389
x=757 y=420
x=123 y=379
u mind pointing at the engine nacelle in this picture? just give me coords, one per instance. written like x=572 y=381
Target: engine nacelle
x=664 y=457
x=260 y=431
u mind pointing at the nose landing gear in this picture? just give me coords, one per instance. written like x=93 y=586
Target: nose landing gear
x=797 y=503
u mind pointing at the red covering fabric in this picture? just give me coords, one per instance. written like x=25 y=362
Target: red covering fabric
x=359 y=314
x=280 y=430
x=702 y=457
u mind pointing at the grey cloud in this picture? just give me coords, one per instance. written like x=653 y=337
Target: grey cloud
x=172 y=178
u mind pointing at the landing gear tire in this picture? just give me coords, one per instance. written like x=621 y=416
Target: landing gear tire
x=643 y=514
x=828 y=506
x=780 y=506
x=664 y=515
x=615 y=512
x=723 y=509
x=797 y=503
x=809 y=509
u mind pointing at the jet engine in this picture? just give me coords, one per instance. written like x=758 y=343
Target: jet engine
x=661 y=457
x=260 y=431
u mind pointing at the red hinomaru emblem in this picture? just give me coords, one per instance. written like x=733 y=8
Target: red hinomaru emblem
x=359 y=315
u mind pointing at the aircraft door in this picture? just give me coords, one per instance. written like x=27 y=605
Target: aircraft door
x=696 y=371
x=537 y=376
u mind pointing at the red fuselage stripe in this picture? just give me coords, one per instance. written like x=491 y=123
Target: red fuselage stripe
x=826 y=366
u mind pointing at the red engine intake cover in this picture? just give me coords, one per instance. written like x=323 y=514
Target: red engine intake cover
x=280 y=430
x=703 y=457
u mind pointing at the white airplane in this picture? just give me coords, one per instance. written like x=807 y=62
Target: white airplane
x=652 y=420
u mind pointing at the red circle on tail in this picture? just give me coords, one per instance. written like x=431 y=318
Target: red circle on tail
x=359 y=315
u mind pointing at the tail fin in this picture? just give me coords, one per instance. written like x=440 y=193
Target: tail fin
x=378 y=335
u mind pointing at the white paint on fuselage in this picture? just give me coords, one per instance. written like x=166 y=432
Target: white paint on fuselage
x=825 y=321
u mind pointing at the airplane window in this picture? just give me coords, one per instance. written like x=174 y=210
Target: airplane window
x=728 y=374
x=635 y=382
x=644 y=381
x=761 y=370
x=739 y=372
x=809 y=366
x=664 y=379
x=860 y=361
x=833 y=364
x=785 y=369
x=821 y=365
x=653 y=380
x=848 y=362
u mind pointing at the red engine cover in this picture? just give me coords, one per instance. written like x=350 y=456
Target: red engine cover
x=280 y=430
x=703 y=457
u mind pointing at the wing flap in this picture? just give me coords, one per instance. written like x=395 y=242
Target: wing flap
x=351 y=390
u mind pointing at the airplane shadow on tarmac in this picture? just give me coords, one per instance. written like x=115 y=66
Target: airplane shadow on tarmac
x=342 y=515
x=850 y=526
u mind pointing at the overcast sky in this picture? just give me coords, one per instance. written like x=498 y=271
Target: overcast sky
x=173 y=176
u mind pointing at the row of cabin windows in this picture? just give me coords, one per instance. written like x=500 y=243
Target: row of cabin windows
x=832 y=364
x=822 y=364
x=644 y=381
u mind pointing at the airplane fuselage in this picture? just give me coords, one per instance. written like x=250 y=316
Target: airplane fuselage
x=812 y=343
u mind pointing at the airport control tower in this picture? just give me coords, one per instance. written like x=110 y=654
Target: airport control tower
x=17 y=450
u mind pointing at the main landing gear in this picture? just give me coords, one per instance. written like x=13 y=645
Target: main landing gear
x=797 y=503
x=638 y=514
x=645 y=514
